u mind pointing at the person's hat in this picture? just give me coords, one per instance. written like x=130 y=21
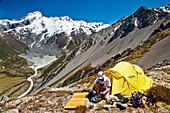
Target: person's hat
x=100 y=75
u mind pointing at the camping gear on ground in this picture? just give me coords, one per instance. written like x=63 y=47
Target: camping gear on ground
x=96 y=98
x=120 y=106
x=93 y=97
x=113 y=99
x=121 y=98
x=136 y=99
x=127 y=78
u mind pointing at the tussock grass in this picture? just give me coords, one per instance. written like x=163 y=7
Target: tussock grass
x=8 y=83
x=163 y=93
x=82 y=109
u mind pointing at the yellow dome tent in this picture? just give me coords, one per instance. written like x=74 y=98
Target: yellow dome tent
x=127 y=78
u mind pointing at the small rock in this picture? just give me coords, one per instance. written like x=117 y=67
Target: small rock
x=12 y=111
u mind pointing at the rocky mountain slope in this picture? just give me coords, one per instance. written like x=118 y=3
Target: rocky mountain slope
x=127 y=33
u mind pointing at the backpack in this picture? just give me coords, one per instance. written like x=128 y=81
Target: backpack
x=136 y=99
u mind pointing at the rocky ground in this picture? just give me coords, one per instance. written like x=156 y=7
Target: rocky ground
x=53 y=100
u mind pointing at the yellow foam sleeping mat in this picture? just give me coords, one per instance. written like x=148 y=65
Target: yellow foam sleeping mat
x=76 y=100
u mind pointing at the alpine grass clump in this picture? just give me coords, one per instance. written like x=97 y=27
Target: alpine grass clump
x=163 y=93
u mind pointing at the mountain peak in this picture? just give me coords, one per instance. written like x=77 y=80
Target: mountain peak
x=33 y=15
x=140 y=10
x=66 y=18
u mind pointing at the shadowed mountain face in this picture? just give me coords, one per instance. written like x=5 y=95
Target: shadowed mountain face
x=10 y=46
x=125 y=34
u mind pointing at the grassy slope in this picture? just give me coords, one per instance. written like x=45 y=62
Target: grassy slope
x=14 y=75
x=9 y=82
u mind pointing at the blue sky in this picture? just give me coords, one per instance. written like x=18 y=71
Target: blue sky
x=107 y=11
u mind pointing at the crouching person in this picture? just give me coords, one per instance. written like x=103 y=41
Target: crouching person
x=101 y=87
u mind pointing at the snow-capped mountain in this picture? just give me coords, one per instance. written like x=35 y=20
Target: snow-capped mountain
x=38 y=31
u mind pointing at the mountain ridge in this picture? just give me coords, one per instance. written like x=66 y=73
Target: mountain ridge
x=37 y=30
